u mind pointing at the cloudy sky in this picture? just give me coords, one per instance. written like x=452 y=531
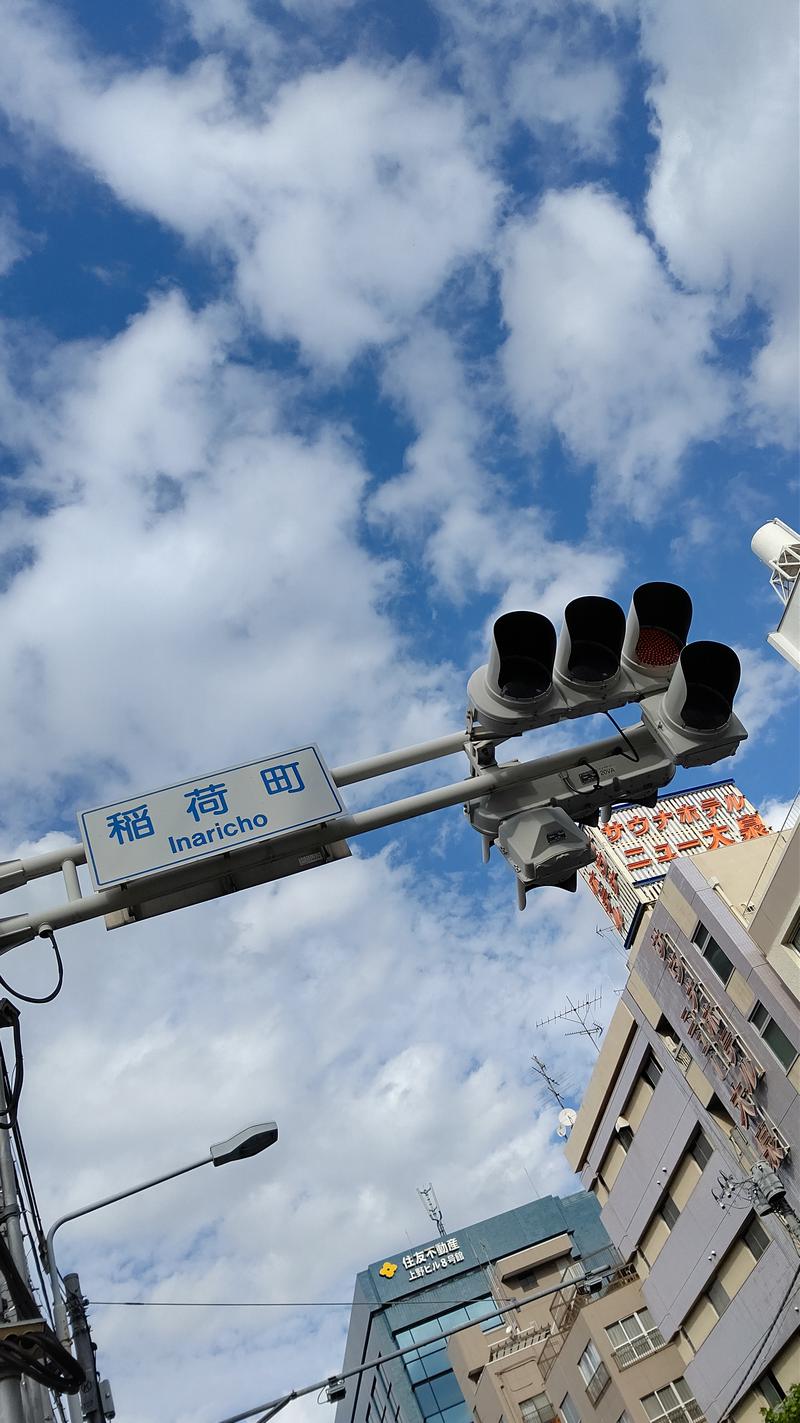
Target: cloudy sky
x=329 y=330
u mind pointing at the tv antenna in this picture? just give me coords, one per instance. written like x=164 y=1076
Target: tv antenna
x=428 y=1197
x=581 y=1013
x=551 y=1083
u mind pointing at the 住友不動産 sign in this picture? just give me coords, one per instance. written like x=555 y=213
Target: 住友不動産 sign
x=207 y=816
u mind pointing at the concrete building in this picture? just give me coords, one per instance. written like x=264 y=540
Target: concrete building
x=415 y=1298
x=691 y=1122
x=578 y=1342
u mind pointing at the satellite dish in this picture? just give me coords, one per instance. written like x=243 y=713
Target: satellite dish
x=566 y=1121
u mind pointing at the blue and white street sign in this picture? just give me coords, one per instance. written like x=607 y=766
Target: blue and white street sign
x=207 y=816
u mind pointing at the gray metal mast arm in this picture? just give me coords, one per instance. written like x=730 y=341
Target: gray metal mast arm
x=21 y=928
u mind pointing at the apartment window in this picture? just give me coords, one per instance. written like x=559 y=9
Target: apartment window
x=768 y=1386
x=625 y=1136
x=701 y=1150
x=669 y=1212
x=715 y=957
x=775 y=1038
x=593 y=1371
x=675 y=1402
x=718 y=1296
x=755 y=1238
x=727 y=1280
x=538 y=1409
x=568 y=1410
x=652 y=1070
x=633 y=1338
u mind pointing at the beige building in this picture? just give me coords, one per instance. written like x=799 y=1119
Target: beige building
x=689 y=1132
x=583 y=1353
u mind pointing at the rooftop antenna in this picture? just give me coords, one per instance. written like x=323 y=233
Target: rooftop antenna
x=428 y=1197
x=581 y=1013
x=551 y=1083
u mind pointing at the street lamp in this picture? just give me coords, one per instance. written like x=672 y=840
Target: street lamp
x=245 y=1143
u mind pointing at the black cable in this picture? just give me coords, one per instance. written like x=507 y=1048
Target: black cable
x=635 y=757
x=26 y=997
x=13 y=1091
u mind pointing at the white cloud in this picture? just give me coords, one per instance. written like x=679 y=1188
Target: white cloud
x=479 y=532
x=768 y=690
x=339 y=231
x=199 y=556
x=605 y=348
x=14 y=243
x=723 y=197
x=517 y=66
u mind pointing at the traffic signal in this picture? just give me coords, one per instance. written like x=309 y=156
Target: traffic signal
x=657 y=628
x=599 y=660
x=693 y=720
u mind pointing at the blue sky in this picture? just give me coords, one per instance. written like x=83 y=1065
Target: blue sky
x=329 y=331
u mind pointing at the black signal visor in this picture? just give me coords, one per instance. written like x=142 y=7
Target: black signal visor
x=711 y=673
x=596 y=629
x=664 y=614
x=521 y=656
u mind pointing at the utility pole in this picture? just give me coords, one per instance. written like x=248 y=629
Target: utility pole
x=12 y=1407
x=91 y=1401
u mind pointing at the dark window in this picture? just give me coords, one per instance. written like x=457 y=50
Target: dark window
x=700 y=935
x=717 y=959
x=771 y=1389
x=759 y=1016
x=652 y=1070
x=625 y=1136
x=775 y=1038
x=669 y=1212
x=718 y=1296
x=756 y=1238
x=701 y=1150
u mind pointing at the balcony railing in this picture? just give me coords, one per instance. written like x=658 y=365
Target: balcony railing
x=635 y=1349
x=569 y=1302
x=690 y=1410
x=524 y=1339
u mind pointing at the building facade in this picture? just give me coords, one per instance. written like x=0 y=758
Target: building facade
x=414 y=1299
x=689 y=1131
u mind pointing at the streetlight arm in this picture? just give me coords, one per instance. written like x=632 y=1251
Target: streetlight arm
x=62 y=1327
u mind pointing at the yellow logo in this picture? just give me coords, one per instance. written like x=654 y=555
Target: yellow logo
x=387 y=1270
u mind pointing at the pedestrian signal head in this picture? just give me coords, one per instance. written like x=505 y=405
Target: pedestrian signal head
x=590 y=643
x=658 y=624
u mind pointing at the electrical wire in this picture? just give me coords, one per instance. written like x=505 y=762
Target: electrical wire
x=237 y=1304
x=635 y=757
x=13 y=1090
x=48 y=998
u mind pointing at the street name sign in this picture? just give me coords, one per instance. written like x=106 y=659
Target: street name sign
x=208 y=815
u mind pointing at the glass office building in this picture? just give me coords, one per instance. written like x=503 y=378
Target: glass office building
x=413 y=1300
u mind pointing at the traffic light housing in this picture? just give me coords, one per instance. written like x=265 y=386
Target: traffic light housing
x=599 y=660
x=693 y=720
x=656 y=630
